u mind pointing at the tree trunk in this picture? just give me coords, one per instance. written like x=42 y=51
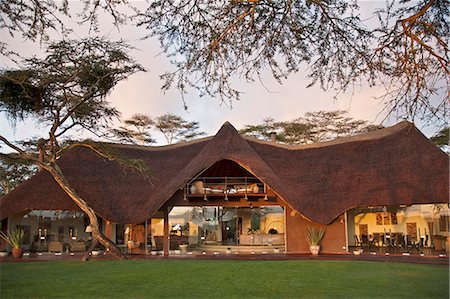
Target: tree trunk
x=59 y=177
x=86 y=254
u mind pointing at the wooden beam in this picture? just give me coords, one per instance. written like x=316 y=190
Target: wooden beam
x=108 y=229
x=166 y=232
x=150 y=233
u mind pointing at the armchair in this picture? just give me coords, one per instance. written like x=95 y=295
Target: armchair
x=77 y=246
x=56 y=246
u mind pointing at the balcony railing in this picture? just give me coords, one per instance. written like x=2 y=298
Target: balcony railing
x=225 y=187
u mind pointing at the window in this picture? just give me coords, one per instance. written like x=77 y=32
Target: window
x=386 y=218
x=379 y=218
x=444 y=223
x=61 y=233
x=203 y=227
x=394 y=218
x=26 y=233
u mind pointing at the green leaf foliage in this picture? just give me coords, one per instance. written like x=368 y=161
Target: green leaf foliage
x=176 y=129
x=313 y=127
x=13 y=237
x=70 y=85
x=314 y=235
x=13 y=172
x=442 y=138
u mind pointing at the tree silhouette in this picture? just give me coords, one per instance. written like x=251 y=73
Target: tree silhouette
x=67 y=90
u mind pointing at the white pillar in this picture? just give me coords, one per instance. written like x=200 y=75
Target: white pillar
x=346 y=232
x=145 y=238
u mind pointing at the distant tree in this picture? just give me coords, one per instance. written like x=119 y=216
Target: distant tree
x=67 y=90
x=314 y=127
x=329 y=125
x=442 y=139
x=12 y=173
x=136 y=130
x=14 y=170
x=176 y=129
x=296 y=132
x=263 y=131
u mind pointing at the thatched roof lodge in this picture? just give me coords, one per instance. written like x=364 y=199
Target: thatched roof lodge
x=315 y=183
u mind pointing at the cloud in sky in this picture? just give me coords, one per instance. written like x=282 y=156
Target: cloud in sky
x=142 y=93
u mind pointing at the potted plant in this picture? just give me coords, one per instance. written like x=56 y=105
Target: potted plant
x=3 y=252
x=313 y=237
x=14 y=238
x=183 y=248
x=357 y=251
x=98 y=250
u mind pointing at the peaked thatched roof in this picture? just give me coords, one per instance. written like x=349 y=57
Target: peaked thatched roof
x=396 y=165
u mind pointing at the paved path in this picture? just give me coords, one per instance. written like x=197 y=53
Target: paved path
x=413 y=259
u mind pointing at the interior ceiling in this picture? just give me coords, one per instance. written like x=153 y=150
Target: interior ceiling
x=226 y=168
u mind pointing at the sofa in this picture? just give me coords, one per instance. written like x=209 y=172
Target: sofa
x=77 y=246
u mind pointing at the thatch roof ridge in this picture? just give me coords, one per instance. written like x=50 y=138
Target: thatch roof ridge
x=116 y=192
x=227 y=144
x=373 y=135
x=396 y=165
x=402 y=167
x=159 y=147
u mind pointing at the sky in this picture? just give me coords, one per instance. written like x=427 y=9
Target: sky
x=142 y=92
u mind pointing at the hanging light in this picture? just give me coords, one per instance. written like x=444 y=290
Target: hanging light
x=225 y=189
x=245 y=180
x=184 y=194
x=265 y=192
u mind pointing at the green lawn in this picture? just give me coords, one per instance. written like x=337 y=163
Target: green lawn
x=223 y=279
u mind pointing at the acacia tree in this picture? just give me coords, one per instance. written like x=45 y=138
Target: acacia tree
x=173 y=127
x=34 y=18
x=329 y=125
x=136 y=130
x=296 y=132
x=411 y=58
x=67 y=90
x=12 y=173
x=442 y=139
x=14 y=170
x=313 y=127
x=287 y=132
x=176 y=129
x=263 y=131
x=213 y=42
